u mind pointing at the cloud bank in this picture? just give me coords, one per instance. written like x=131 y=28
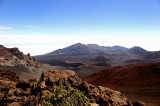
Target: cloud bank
x=5 y=28
x=28 y=26
x=41 y=44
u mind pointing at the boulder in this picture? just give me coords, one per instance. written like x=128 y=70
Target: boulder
x=8 y=75
x=99 y=95
x=30 y=92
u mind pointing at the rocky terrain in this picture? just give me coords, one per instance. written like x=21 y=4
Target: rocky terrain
x=17 y=92
x=14 y=60
x=137 y=82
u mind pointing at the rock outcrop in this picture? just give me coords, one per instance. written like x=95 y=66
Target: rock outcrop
x=14 y=60
x=13 y=57
x=30 y=92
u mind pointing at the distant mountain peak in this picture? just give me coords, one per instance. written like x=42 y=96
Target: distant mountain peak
x=116 y=47
x=75 y=49
x=78 y=43
x=145 y=54
x=138 y=47
x=92 y=44
x=86 y=49
x=137 y=50
x=75 y=45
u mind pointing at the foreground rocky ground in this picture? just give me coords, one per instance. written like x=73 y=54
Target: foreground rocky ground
x=17 y=92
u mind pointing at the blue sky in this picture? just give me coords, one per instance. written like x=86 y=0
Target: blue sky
x=33 y=25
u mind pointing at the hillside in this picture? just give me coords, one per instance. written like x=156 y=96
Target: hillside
x=153 y=56
x=86 y=49
x=86 y=53
x=137 y=82
x=76 y=50
x=130 y=76
x=14 y=60
x=116 y=48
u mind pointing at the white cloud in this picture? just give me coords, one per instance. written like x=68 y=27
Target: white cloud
x=28 y=26
x=5 y=28
x=12 y=31
x=2 y=31
x=41 y=44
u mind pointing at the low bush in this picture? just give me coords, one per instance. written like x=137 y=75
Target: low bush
x=63 y=96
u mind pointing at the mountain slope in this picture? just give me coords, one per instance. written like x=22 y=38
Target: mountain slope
x=147 y=55
x=86 y=53
x=131 y=76
x=138 y=50
x=137 y=82
x=14 y=60
x=116 y=48
x=82 y=49
x=76 y=50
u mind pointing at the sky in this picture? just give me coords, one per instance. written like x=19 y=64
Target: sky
x=42 y=26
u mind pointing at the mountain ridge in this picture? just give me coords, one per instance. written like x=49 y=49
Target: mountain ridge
x=116 y=55
x=75 y=49
x=80 y=47
x=14 y=60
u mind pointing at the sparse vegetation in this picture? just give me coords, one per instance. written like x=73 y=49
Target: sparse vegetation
x=63 y=96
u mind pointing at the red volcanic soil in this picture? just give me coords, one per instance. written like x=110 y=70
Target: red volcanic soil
x=135 y=61
x=129 y=76
x=136 y=82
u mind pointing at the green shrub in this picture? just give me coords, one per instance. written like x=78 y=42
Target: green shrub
x=66 y=97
